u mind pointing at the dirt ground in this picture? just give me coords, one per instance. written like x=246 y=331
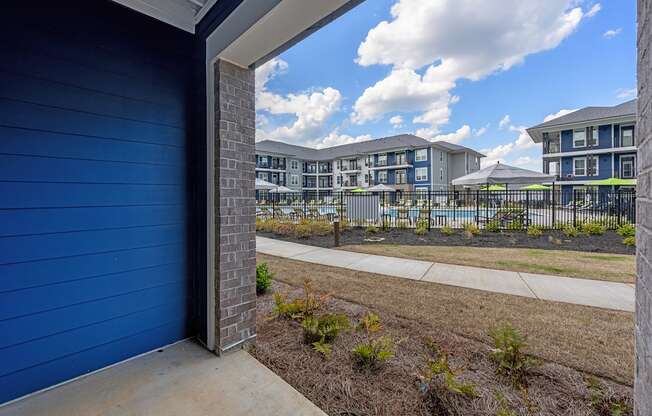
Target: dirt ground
x=340 y=387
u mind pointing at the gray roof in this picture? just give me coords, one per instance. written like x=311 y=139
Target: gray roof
x=584 y=115
x=400 y=141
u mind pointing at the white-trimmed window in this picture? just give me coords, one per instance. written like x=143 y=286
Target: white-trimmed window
x=401 y=177
x=627 y=167
x=294 y=164
x=382 y=160
x=579 y=138
x=627 y=136
x=592 y=168
x=421 y=155
x=294 y=180
x=594 y=136
x=579 y=166
x=382 y=176
x=421 y=174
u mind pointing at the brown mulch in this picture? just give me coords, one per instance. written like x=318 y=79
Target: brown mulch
x=339 y=387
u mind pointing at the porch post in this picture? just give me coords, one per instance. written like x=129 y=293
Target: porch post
x=235 y=228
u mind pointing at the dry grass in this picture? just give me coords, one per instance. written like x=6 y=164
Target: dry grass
x=593 y=340
x=598 y=266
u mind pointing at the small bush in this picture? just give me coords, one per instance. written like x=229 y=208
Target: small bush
x=604 y=403
x=373 y=354
x=422 y=227
x=471 y=228
x=370 y=323
x=321 y=331
x=535 y=231
x=447 y=230
x=372 y=229
x=508 y=352
x=302 y=231
x=284 y=228
x=570 y=231
x=503 y=406
x=301 y=307
x=626 y=230
x=629 y=241
x=263 y=278
x=593 y=228
x=440 y=369
x=493 y=226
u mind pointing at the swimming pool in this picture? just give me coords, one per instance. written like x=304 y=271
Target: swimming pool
x=448 y=213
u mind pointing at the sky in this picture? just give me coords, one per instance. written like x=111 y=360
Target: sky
x=472 y=72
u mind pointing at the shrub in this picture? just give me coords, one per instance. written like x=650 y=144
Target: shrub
x=372 y=229
x=440 y=370
x=516 y=225
x=535 y=231
x=604 y=403
x=626 y=230
x=593 y=228
x=263 y=278
x=373 y=354
x=321 y=331
x=570 y=231
x=447 y=230
x=493 y=226
x=284 y=228
x=629 y=241
x=503 y=406
x=471 y=228
x=301 y=307
x=302 y=230
x=370 y=323
x=508 y=352
x=422 y=227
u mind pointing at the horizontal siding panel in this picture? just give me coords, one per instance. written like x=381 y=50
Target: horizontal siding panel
x=57 y=220
x=44 y=298
x=33 y=116
x=52 y=271
x=58 y=346
x=39 y=377
x=46 y=169
x=51 y=195
x=31 y=248
x=20 y=141
x=73 y=98
x=84 y=314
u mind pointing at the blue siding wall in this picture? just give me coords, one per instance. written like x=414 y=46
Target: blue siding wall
x=604 y=168
x=94 y=210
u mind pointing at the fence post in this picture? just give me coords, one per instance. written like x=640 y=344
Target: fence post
x=527 y=206
x=336 y=232
x=574 y=208
x=382 y=209
x=477 y=207
x=273 y=208
x=429 y=209
x=619 y=207
x=341 y=214
x=553 y=205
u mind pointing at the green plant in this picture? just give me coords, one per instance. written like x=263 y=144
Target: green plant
x=626 y=230
x=493 y=226
x=570 y=231
x=440 y=368
x=422 y=227
x=629 y=241
x=535 y=231
x=263 y=278
x=471 y=228
x=593 y=228
x=321 y=331
x=604 y=403
x=301 y=307
x=370 y=323
x=516 y=225
x=372 y=229
x=322 y=347
x=373 y=354
x=447 y=230
x=508 y=352
x=503 y=406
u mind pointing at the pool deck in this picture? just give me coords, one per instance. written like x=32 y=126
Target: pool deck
x=587 y=292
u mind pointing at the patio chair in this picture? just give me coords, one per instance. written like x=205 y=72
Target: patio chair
x=403 y=214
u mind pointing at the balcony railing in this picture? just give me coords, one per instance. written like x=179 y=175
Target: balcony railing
x=551 y=148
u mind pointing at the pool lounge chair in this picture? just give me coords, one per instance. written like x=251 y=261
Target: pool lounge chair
x=506 y=217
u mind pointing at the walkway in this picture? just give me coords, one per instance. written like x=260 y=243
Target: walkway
x=182 y=379
x=609 y=295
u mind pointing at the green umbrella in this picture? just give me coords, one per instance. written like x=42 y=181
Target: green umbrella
x=614 y=182
x=536 y=187
x=358 y=190
x=493 y=188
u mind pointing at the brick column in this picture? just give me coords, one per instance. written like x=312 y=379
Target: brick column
x=643 y=382
x=235 y=233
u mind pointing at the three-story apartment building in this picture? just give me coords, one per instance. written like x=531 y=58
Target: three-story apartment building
x=588 y=145
x=404 y=162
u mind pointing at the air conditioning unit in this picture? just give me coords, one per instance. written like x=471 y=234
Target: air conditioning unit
x=569 y=176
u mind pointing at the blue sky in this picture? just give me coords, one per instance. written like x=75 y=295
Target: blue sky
x=450 y=70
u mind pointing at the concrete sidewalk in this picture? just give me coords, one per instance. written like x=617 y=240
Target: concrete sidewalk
x=609 y=295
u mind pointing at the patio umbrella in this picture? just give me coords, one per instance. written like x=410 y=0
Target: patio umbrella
x=504 y=175
x=536 y=187
x=381 y=188
x=615 y=182
x=264 y=185
x=283 y=190
x=493 y=188
x=358 y=190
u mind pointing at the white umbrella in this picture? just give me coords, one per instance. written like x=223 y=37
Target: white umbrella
x=381 y=188
x=264 y=185
x=504 y=175
x=283 y=190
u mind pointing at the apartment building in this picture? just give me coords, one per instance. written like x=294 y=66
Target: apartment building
x=404 y=162
x=588 y=145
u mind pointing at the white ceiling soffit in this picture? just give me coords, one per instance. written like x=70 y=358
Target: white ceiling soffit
x=281 y=25
x=183 y=14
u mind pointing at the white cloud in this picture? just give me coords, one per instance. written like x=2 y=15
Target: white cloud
x=311 y=109
x=396 y=121
x=524 y=141
x=482 y=130
x=453 y=40
x=612 y=33
x=505 y=121
x=624 y=93
x=558 y=114
x=457 y=136
x=528 y=162
x=594 y=10
x=496 y=154
x=336 y=139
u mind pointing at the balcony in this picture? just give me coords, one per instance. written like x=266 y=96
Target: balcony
x=398 y=164
x=551 y=147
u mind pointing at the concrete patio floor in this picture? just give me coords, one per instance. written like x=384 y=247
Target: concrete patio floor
x=181 y=380
x=609 y=295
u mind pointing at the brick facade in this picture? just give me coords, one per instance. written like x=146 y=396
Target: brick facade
x=643 y=383
x=235 y=234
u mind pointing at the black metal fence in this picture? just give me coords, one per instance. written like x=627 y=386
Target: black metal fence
x=507 y=209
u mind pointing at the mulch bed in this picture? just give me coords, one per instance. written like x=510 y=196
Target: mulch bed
x=339 y=387
x=609 y=242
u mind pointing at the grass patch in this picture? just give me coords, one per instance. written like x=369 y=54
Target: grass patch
x=527 y=267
